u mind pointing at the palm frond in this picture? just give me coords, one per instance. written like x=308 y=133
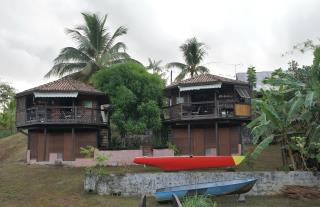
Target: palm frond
x=71 y=54
x=181 y=75
x=96 y=30
x=65 y=68
x=119 y=32
x=202 y=69
x=118 y=46
x=109 y=58
x=176 y=65
x=84 y=43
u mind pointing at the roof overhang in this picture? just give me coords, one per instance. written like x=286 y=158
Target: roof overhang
x=199 y=87
x=55 y=94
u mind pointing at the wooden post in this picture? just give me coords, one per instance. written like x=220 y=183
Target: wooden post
x=217 y=137
x=46 y=150
x=190 y=141
x=109 y=127
x=73 y=144
x=73 y=111
x=29 y=141
x=215 y=104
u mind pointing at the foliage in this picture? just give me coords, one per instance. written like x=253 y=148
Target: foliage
x=6 y=95
x=5 y=133
x=173 y=147
x=87 y=151
x=96 y=48
x=198 y=201
x=136 y=97
x=252 y=77
x=193 y=53
x=7 y=108
x=101 y=158
x=290 y=113
x=92 y=152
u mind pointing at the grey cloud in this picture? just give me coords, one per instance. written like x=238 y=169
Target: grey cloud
x=247 y=32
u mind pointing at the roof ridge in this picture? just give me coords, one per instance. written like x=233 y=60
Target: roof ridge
x=205 y=79
x=65 y=83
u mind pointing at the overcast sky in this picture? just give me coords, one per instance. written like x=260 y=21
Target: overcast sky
x=236 y=32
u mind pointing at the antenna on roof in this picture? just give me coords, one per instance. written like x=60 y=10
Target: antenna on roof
x=235 y=68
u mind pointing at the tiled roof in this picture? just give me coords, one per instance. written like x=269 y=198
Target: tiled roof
x=205 y=79
x=65 y=84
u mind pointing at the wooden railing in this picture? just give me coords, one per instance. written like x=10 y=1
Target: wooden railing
x=58 y=115
x=207 y=109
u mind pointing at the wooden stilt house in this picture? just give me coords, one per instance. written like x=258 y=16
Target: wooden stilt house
x=205 y=114
x=62 y=116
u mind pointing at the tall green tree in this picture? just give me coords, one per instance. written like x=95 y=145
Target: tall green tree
x=193 y=54
x=136 y=96
x=7 y=93
x=96 y=48
x=7 y=107
x=252 y=76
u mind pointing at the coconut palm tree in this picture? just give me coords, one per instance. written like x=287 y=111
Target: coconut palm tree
x=155 y=67
x=193 y=53
x=96 y=48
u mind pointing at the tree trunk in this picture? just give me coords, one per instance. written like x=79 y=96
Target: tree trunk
x=283 y=154
x=290 y=152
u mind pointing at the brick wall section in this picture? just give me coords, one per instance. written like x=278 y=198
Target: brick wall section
x=121 y=157
x=135 y=184
x=116 y=158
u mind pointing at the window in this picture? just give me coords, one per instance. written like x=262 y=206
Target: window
x=87 y=103
x=243 y=93
x=179 y=100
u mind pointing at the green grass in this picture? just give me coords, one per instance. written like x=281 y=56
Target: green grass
x=33 y=186
x=5 y=133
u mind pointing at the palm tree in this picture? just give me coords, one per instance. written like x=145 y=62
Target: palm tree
x=96 y=48
x=193 y=53
x=155 y=67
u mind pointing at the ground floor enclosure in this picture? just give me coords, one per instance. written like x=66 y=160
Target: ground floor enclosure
x=206 y=139
x=64 y=144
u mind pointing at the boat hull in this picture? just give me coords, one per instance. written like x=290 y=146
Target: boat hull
x=211 y=189
x=174 y=163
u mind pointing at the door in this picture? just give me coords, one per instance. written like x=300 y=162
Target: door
x=229 y=140
x=198 y=136
x=181 y=140
x=224 y=141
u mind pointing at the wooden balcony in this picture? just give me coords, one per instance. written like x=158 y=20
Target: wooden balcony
x=207 y=110
x=58 y=115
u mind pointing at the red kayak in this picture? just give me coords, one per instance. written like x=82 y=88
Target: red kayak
x=173 y=163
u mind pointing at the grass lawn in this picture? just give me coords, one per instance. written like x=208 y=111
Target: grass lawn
x=32 y=185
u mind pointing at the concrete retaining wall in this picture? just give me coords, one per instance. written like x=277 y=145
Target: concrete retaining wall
x=136 y=184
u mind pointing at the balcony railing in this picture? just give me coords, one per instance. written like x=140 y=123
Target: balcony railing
x=208 y=109
x=58 y=115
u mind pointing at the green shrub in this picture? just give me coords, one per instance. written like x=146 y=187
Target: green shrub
x=198 y=201
x=87 y=151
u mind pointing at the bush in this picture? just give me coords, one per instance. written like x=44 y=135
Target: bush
x=198 y=201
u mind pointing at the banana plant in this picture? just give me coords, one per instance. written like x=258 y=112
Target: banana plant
x=290 y=109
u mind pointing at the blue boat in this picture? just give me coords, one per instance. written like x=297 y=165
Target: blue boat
x=237 y=186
